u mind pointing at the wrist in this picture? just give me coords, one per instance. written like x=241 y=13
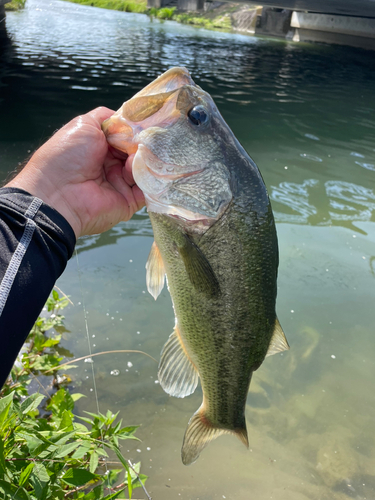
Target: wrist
x=48 y=194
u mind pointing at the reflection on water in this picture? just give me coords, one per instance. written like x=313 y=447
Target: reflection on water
x=305 y=113
x=339 y=202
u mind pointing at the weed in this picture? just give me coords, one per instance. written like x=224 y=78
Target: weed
x=45 y=452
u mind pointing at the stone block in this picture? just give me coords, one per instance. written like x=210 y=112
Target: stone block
x=158 y=3
x=190 y=5
x=274 y=22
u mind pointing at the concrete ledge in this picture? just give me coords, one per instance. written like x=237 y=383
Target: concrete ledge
x=355 y=26
x=302 y=35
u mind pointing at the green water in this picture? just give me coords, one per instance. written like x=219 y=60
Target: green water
x=305 y=113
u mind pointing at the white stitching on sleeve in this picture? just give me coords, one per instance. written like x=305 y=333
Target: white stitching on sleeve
x=16 y=260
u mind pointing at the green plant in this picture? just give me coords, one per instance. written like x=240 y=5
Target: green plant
x=45 y=450
x=138 y=6
x=41 y=351
x=165 y=12
x=15 y=5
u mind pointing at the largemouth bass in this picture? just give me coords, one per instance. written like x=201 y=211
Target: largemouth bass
x=215 y=240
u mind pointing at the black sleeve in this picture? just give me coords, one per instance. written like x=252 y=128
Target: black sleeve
x=35 y=245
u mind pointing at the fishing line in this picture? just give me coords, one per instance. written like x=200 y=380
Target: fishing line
x=93 y=376
x=90 y=353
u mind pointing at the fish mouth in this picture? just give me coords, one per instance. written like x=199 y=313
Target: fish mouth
x=137 y=114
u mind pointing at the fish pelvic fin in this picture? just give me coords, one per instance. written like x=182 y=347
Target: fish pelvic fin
x=155 y=272
x=198 y=269
x=199 y=434
x=177 y=373
x=278 y=340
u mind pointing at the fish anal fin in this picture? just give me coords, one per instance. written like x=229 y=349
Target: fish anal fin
x=199 y=269
x=200 y=432
x=155 y=272
x=278 y=341
x=177 y=374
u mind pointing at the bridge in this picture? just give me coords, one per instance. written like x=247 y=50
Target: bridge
x=344 y=22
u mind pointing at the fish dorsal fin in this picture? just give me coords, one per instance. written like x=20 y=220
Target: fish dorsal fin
x=155 y=272
x=199 y=269
x=177 y=373
x=278 y=341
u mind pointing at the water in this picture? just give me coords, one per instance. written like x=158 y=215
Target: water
x=305 y=113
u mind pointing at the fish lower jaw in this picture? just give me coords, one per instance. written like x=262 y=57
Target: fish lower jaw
x=177 y=212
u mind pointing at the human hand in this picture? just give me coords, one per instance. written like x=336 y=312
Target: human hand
x=77 y=173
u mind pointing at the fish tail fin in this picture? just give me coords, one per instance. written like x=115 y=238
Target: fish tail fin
x=199 y=434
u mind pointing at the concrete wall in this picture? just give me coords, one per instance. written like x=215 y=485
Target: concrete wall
x=274 y=22
x=342 y=30
x=189 y=5
x=357 y=26
x=246 y=19
x=158 y=3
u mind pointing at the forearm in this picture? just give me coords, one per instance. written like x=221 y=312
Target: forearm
x=35 y=244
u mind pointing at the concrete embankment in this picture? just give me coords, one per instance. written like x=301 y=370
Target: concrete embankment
x=357 y=31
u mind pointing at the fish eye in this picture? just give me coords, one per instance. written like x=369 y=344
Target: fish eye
x=198 y=115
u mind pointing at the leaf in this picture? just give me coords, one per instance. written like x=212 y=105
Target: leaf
x=78 y=477
x=5 y=405
x=60 y=402
x=81 y=451
x=66 y=421
x=26 y=473
x=87 y=420
x=77 y=396
x=50 y=342
x=31 y=403
x=130 y=487
x=33 y=442
x=94 y=460
x=2 y=458
x=12 y=491
x=113 y=495
x=39 y=478
x=120 y=457
x=112 y=476
x=41 y=473
x=64 y=450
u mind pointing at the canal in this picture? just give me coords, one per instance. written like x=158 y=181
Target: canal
x=305 y=114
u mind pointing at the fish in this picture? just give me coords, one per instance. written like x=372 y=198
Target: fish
x=215 y=244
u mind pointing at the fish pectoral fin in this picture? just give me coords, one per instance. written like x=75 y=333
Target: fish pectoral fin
x=200 y=432
x=199 y=269
x=155 y=272
x=177 y=374
x=278 y=341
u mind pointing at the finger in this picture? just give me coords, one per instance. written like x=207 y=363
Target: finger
x=121 y=155
x=127 y=171
x=139 y=197
x=132 y=200
x=100 y=114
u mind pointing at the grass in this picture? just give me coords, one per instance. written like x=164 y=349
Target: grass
x=15 y=5
x=219 y=22
x=139 y=6
x=222 y=21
